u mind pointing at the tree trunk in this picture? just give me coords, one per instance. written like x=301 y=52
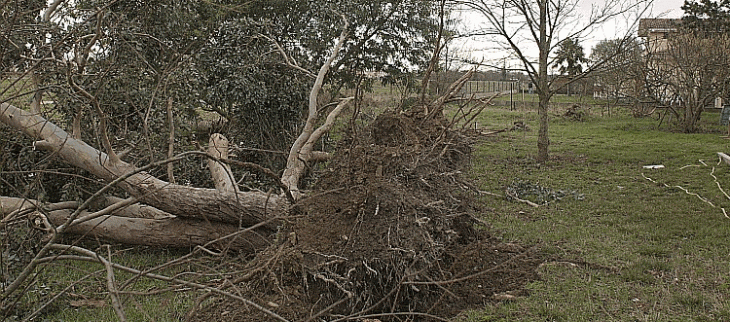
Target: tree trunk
x=141 y=225
x=170 y=232
x=543 y=86
x=543 y=140
x=245 y=208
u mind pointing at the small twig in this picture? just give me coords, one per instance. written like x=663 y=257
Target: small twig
x=712 y=173
x=31 y=316
x=378 y=315
x=327 y=309
x=171 y=141
x=266 y=172
x=470 y=276
x=513 y=196
x=681 y=188
x=197 y=250
x=288 y=61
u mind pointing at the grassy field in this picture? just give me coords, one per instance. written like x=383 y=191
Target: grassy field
x=635 y=247
x=638 y=246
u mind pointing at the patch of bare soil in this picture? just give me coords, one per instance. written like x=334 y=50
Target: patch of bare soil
x=387 y=233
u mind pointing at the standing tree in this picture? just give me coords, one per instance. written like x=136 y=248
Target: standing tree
x=522 y=26
x=706 y=15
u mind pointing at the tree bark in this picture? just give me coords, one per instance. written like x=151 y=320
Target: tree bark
x=245 y=208
x=171 y=232
x=543 y=85
x=300 y=152
x=221 y=172
x=136 y=210
x=141 y=225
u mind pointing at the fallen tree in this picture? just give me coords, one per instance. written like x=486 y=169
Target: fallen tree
x=388 y=231
x=197 y=215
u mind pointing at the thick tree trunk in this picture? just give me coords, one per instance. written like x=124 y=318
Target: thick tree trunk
x=135 y=210
x=141 y=225
x=170 y=232
x=245 y=209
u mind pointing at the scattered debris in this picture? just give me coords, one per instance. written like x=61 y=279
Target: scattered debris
x=576 y=113
x=525 y=190
x=654 y=166
x=519 y=126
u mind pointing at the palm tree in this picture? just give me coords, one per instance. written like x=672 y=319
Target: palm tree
x=569 y=58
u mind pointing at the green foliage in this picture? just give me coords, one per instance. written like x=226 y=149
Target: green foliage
x=263 y=99
x=706 y=15
x=393 y=36
x=18 y=27
x=223 y=57
x=569 y=57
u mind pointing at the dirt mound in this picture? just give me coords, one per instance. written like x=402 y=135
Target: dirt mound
x=388 y=233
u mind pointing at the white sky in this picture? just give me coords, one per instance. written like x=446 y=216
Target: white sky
x=670 y=8
x=483 y=49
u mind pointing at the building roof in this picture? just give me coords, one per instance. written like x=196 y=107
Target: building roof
x=649 y=25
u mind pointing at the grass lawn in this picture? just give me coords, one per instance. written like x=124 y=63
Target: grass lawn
x=637 y=247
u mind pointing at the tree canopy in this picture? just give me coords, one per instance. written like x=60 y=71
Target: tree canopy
x=569 y=57
x=706 y=15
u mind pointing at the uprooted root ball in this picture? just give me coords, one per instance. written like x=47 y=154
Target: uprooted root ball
x=388 y=232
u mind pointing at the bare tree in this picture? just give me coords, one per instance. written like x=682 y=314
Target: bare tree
x=689 y=72
x=523 y=25
x=621 y=73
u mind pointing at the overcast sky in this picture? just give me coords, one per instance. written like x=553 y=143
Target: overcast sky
x=478 y=49
x=671 y=8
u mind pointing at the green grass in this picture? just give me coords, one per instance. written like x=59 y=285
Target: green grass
x=656 y=253
x=88 y=282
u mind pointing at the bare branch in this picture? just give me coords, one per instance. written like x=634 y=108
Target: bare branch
x=287 y=60
x=293 y=172
x=295 y=159
x=171 y=141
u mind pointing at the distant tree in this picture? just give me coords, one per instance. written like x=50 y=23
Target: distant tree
x=689 y=75
x=569 y=58
x=706 y=15
x=620 y=74
x=693 y=68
